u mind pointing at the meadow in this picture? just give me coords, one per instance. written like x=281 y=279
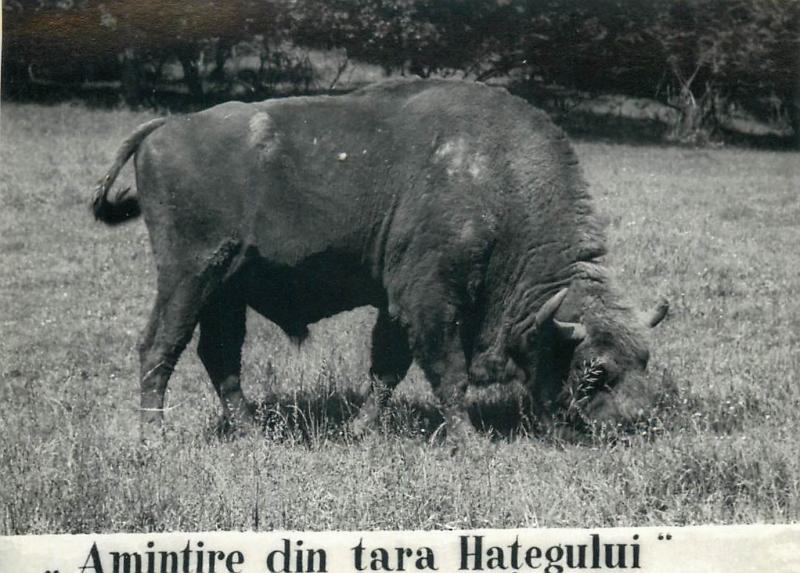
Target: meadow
x=713 y=230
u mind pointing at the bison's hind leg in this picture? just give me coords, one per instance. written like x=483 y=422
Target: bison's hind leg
x=183 y=294
x=169 y=330
x=391 y=359
x=222 y=332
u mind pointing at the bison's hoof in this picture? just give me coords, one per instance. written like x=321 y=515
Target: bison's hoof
x=241 y=427
x=362 y=426
x=151 y=431
x=366 y=421
x=460 y=436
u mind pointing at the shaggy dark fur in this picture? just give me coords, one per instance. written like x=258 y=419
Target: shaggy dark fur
x=454 y=208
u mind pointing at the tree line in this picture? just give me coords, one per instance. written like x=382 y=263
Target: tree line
x=700 y=57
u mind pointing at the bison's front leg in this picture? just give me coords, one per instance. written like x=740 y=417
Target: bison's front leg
x=391 y=358
x=440 y=353
x=450 y=386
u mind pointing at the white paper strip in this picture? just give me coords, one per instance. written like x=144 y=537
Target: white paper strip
x=703 y=549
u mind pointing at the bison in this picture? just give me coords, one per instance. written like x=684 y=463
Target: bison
x=456 y=209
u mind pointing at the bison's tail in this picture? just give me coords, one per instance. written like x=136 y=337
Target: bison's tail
x=123 y=207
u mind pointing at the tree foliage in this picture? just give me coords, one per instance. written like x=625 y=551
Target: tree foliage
x=699 y=56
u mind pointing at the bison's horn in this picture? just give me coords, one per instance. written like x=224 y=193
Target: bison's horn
x=657 y=314
x=549 y=308
x=573 y=331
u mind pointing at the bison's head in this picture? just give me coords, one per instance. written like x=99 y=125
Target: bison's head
x=590 y=370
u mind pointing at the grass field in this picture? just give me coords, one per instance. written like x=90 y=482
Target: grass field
x=716 y=231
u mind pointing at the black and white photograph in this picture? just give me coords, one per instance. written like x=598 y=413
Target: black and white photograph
x=367 y=265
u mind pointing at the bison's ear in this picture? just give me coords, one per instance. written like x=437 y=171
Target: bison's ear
x=573 y=331
x=657 y=313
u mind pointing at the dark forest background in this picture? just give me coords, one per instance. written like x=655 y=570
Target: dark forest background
x=693 y=71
